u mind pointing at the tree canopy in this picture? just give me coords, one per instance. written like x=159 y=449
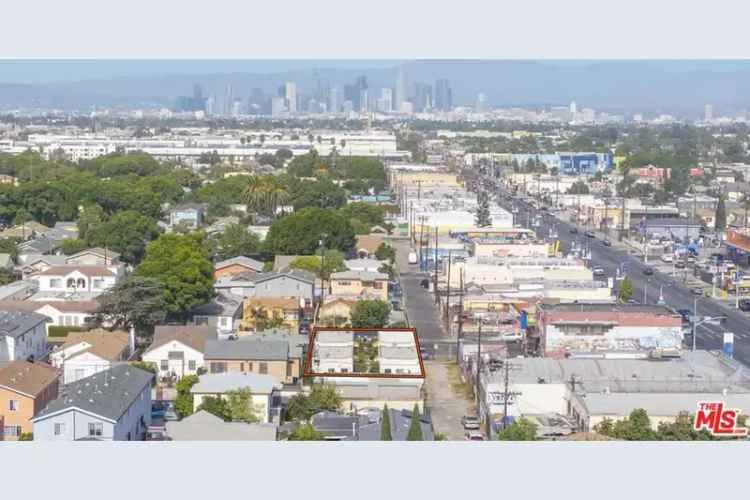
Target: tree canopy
x=370 y=313
x=522 y=429
x=300 y=233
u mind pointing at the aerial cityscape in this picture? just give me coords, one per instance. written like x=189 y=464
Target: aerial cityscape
x=407 y=250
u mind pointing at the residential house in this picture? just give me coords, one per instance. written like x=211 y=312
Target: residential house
x=223 y=313
x=85 y=353
x=205 y=426
x=262 y=313
x=23 y=335
x=59 y=312
x=736 y=191
x=112 y=405
x=336 y=310
x=188 y=214
x=290 y=283
x=96 y=256
x=237 y=265
x=264 y=388
x=242 y=284
x=274 y=356
x=651 y=174
x=87 y=281
x=25 y=390
x=62 y=230
x=39 y=245
x=366 y=425
x=25 y=231
x=221 y=224
x=368 y=244
x=362 y=284
x=724 y=176
x=366 y=265
x=18 y=290
x=178 y=350
x=32 y=264
x=281 y=262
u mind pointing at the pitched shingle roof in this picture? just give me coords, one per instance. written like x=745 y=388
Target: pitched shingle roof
x=105 y=344
x=242 y=261
x=219 y=383
x=251 y=349
x=89 y=271
x=107 y=394
x=194 y=336
x=27 y=378
x=15 y=323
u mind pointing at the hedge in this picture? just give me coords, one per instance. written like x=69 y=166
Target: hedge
x=63 y=330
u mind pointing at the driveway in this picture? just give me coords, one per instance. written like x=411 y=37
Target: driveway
x=447 y=399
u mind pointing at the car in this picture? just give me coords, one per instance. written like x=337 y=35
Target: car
x=157 y=410
x=304 y=329
x=632 y=301
x=697 y=291
x=425 y=353
x=396 y=305
x=599 y=271
x=470 y=422
x=573 y=230
x=474 y=436
x=425 y=283
x=157 y=435
x=667 y=257
x=170 y=413
x=686 y=314
x=744 y=305
x=590 y=234
x=648 y=271
x=679 y=264
x=607 y=243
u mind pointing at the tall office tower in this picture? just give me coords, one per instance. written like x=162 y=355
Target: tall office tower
x=211 y=106
x=236 y=108
x=228 y=100
x=573 y=108
x=400 y=88
x=334 y=100
x=197 y=92
x=278 y=106
x=386 y=99
x=481 y=105
x=364 y=101
x=422 y=96
x=347 y=107
x=291 y=96
x=708 y=112
x=443 y=95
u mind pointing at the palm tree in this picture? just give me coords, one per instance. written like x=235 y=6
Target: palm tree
x=254 y=193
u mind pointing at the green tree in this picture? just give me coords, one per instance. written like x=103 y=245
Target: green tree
x=385 y=425
x=126 y=232
x=89 y=217
x=370 y=313
x=183 y=403
x=322 y=397
x=26 y=436
x=146 y=366
x=241 y=407
x=483 y=218
x=332 y=263
x=235 y=241
x=386 y=252
x=721 y=215
x=70 y=246
x=7 y=276
x=371 y=215
x=306 y=432
x=181 y=263
x=300 y=233
x=626 y=289
x=636 y=427
x=216 y=405
x=135 y=301
x=10 y=246
x=415 y=428
x=578 y=187
x=682 y=430
x=522 y=429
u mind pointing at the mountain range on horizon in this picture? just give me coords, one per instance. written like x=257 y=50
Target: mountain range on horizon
x=680 y=87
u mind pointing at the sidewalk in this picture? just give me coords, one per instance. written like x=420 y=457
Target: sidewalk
x=448 y=399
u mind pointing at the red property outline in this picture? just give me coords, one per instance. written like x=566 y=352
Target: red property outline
x=311 y=347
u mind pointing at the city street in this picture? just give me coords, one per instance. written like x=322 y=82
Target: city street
x=675 y=294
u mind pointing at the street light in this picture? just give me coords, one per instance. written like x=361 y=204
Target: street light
x=696 y=323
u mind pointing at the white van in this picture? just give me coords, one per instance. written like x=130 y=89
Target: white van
x=412 y=257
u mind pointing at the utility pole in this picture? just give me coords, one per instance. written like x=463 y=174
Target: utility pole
x=505 y=393
x=479 y=369
x=448 y=297
x=421 y=239
x=695 y=319
x=437 y=297
x=460 y=331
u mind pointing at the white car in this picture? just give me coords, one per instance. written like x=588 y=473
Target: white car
x=667 y=257
x=599 y=271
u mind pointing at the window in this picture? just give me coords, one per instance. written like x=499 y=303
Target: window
x=242 y=367
x=263 y=368
x=224 y=321
x=55 y=283
x=81 y=283
x=289 y=367
x=201 y=320
x=95 y=429
x=98 y=284
x=331 y=370
x=164 y=365
x=249 y=367
x=387 y=370
x=12 y=430
x=71 y=283
x=345 y=370
x=218 y=367
x=344 y=283
x=59 y=429
x=13 y=405
x=191 y=365
x=378 y=285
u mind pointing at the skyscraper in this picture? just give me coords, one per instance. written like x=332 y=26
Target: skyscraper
x=708 y=112
x=573 y=108
x=291 y=96
x=278 y=106
x=422 y=96
x=481 y=105
x=385 y=103
x=228 y=100
x=400 y=88
x=334 y=100
x=443 y=95
x=364 y=101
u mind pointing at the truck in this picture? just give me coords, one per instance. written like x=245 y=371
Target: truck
x=412 y=257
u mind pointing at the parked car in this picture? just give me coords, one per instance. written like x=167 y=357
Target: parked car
x=154 y=435
x=425 y=353
x=474 y=436
x=157 y=410
x=745 y=305
x=599 y=272
x=686 y=314
x=607 y=243
x=590 y=234
x=648 y=271
x=679 y=264
x=697 y=291
x=470 y=422
x=412 y=257
x=425 y=283
x=396 y=305
x=170 y=413
x=573 y=230
x=667 y=257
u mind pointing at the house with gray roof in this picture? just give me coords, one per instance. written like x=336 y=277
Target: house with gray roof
x=189 y=214
x=237 y=265
x=223 y=313
x=289 y=283
x=23 y=335
x=254 y=355
x=205 y=426
x=265 y=390
x=112 y=405
x=365 y=425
